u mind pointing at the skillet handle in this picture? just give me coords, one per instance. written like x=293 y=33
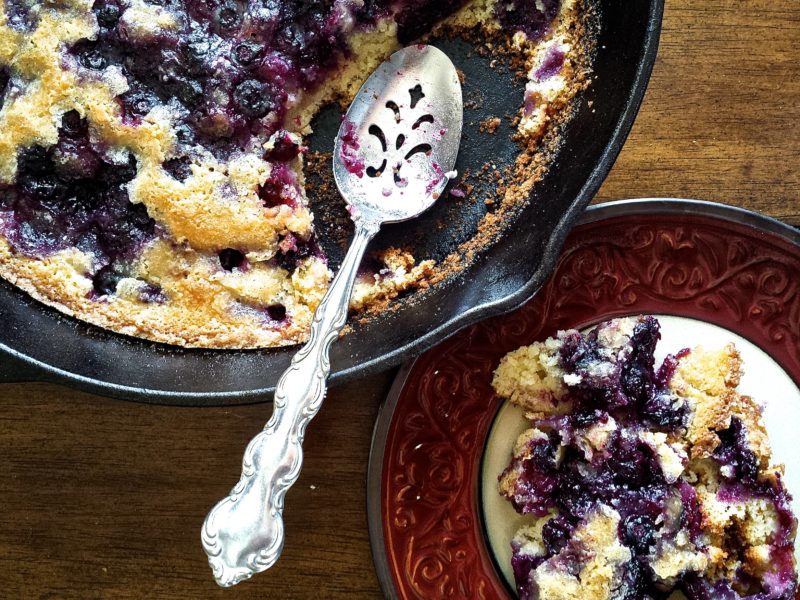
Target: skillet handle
x=243 y=534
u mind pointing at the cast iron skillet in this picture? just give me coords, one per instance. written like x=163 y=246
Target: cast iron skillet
x=39 y=344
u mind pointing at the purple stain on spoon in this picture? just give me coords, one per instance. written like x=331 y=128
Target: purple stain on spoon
x=439 y=175
x=351 y=158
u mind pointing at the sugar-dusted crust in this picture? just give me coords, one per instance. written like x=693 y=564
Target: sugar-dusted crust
x=532 y=379
x=675 y=458
x=708 y=380
x=593 y=560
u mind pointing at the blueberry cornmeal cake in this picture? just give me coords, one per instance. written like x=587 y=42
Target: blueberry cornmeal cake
x=151 y=151
x=642 y=483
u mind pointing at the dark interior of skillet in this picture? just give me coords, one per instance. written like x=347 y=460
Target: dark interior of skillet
x=40 y=344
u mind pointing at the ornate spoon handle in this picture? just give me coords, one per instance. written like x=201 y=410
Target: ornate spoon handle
x=243 y=534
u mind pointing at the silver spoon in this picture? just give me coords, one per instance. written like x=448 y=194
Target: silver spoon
x=393 y=158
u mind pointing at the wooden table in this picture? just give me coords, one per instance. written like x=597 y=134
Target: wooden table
x=104 y=499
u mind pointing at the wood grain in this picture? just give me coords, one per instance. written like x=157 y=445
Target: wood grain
x=104 y=499
x=721 y=118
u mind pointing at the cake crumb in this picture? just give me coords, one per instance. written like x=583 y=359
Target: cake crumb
x=490 y=125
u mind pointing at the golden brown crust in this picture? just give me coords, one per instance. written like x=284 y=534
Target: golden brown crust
x=708 y=380
x=600 y=575
x=531 y=378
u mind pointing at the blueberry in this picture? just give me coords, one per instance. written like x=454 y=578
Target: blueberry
x=92 y=58
x=577 y=350
x=573 y=497
x=188 y=91
x=734 y=451
x=47 y=187
x=277 y=312
x=75 y=159
x=271 y=193
x=533 y=17
x=522 y=565
x=137 y=216
x=660 y=410
x=543 y=455
x=38 y=235
x=179 y=168
x=67 y=195
x=228 y=16
x=4 y=79
x=287 y=261
x=105 y=281
x=585 y=418
x=34 y=160
x=631 y=462
x=556 y=533
x=369 y=12
x=185 y=134
x=636 y=383
x=291 y=259
x=691 y=514
x=284 y=149
x=121 y=174
x=121 y=236
x=638 y=532
x=638 y=379
x=73 y=125
x=138 y=102
x=107 y=13
x=247 y=53
x=636 y=581
x=152 y=294
x=253 y=98
x=413 y=20
x=196 y=51
x=538 y=482
x=8 y=197
x=21 y=14
x=292 y=39
x=231 y=259
x=172 y=77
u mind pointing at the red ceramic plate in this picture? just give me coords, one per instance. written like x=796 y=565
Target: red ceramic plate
x=723 y=266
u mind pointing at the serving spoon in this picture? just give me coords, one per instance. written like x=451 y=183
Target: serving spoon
x=393 y=157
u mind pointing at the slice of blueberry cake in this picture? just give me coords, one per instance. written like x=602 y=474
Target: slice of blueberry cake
x=151 y=156
x=642 y=483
